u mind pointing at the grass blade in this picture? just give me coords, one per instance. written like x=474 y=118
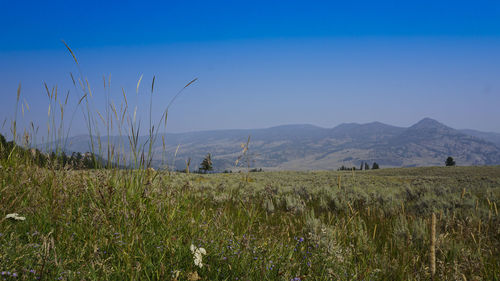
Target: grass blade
x=139 y=83
x=71 y=51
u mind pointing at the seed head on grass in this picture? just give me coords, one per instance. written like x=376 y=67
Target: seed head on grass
x=71 y=51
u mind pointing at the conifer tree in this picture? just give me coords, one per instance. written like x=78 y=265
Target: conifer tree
x=206 y=164
x=450 y=162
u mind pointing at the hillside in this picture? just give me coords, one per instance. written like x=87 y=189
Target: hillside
x=307 y=147
x=489 y=136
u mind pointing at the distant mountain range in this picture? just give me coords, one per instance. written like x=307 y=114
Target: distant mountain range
x=307 y=147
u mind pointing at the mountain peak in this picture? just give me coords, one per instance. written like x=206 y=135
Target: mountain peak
x=294 y=126
x=429 y=123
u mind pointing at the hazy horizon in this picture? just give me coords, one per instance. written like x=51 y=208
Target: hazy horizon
x=145 y=133
x=260 y=65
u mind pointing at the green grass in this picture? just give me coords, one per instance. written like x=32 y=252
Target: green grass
x=115 y=225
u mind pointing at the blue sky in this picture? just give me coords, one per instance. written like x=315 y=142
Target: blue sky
x=261 y=63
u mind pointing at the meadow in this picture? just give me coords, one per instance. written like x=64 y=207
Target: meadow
x=59 y=222
x=141 y=224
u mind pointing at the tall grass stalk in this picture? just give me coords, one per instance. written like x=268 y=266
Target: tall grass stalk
x=142 y=154
x=14 y=122
x=432 y=251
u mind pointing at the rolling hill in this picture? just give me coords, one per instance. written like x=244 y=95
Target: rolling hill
x=308 y=147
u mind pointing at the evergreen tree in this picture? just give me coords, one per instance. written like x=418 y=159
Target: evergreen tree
x=206 y=164
x=3 y=141
x=3 y=147
x=375 y=166
x=87 y=161
x=367 y=167
x=64 y=159
x=449 y=161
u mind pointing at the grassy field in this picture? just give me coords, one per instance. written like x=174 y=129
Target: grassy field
x=140 y=225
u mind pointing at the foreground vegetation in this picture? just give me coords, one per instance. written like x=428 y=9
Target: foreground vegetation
x=140 y=224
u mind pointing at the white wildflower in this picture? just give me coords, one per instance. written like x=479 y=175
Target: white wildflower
x=198 y=255
x=15 y=216
x=202 y=250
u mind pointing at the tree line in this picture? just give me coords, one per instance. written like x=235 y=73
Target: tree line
x=363 y=166
x=76 y=160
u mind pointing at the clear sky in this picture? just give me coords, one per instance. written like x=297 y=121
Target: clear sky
x=261 y=63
